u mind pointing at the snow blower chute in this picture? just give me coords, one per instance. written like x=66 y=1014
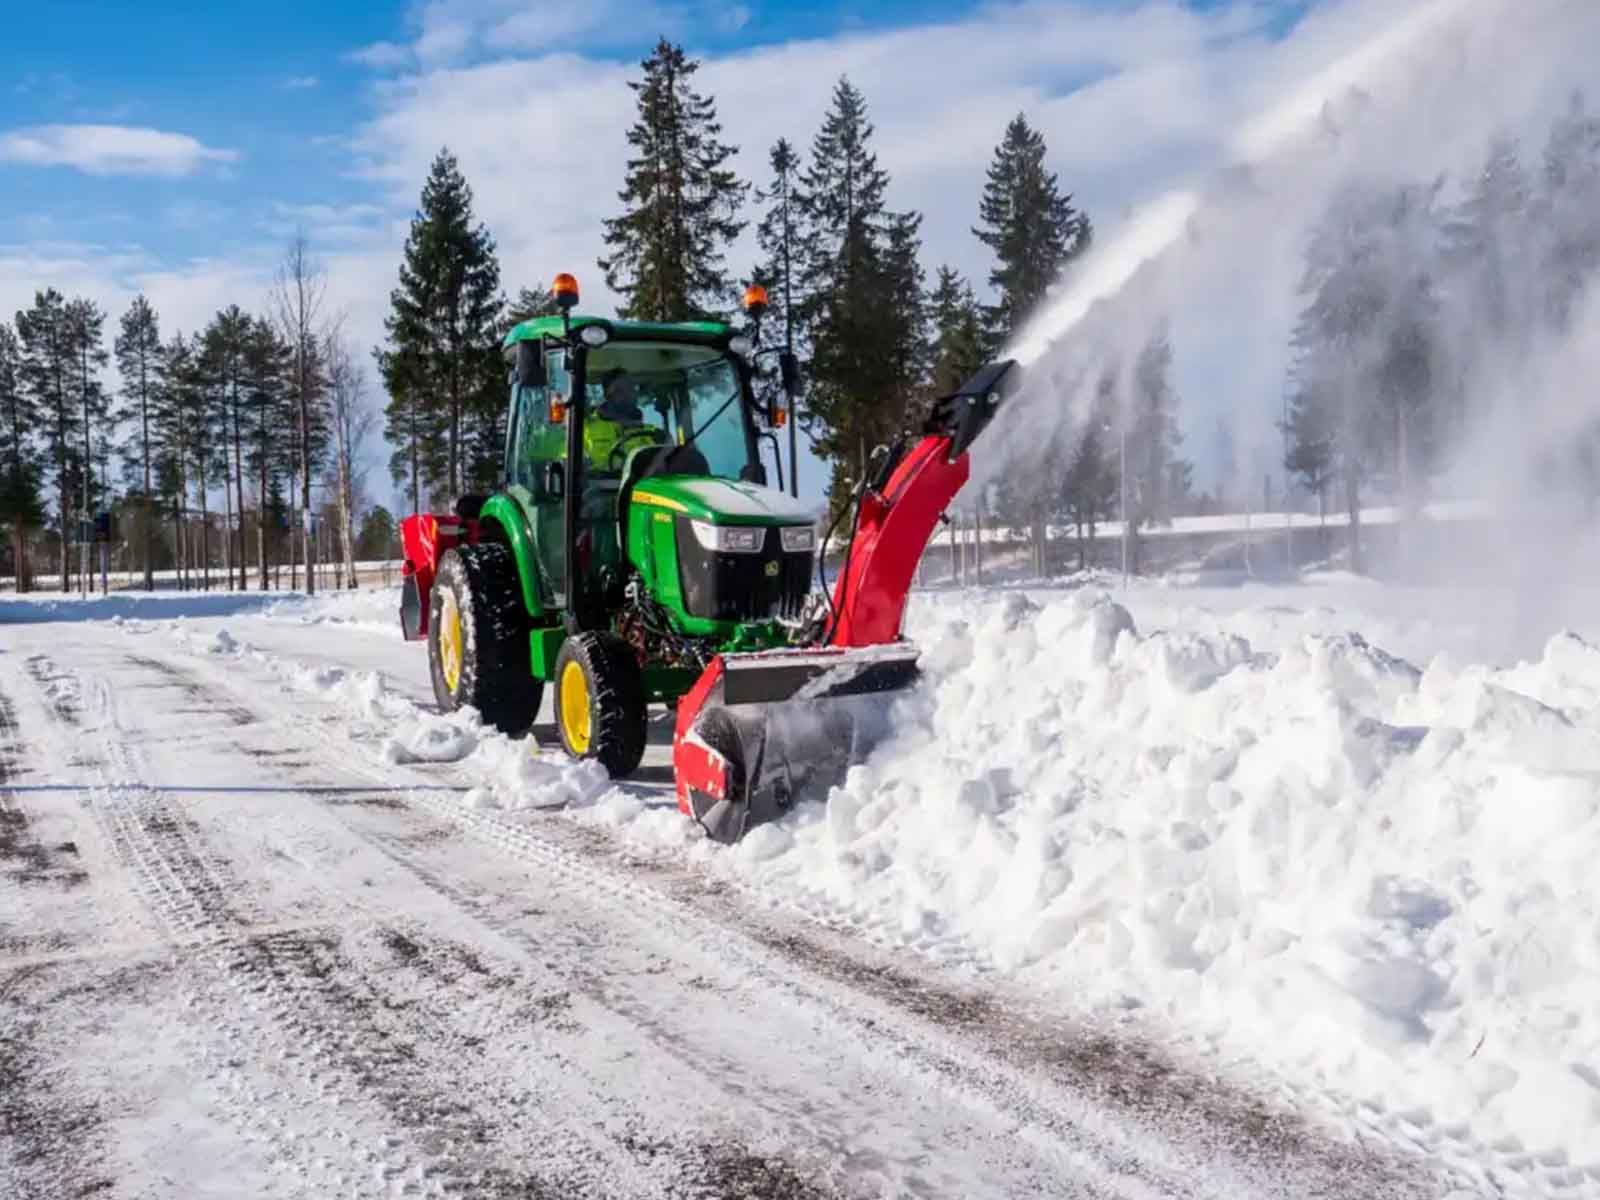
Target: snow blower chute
x=758 y=730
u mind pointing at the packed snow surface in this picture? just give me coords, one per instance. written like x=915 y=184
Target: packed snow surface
x=1329 y=833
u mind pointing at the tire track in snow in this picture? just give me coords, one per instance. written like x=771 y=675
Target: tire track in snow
x=49 y=1140
x=401 y=1067
x=1064 y=1099
x=336 y=1024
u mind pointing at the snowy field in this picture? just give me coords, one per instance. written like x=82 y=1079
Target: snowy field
x=1196 y=890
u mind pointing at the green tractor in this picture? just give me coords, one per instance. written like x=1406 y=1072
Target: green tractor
x=634 y=534
x=635 y=554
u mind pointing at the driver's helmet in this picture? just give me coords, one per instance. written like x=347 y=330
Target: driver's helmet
x=621 y=401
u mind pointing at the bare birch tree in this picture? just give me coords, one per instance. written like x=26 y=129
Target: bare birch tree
x=298 y=294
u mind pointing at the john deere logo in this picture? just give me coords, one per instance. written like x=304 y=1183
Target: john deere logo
x=772 y=569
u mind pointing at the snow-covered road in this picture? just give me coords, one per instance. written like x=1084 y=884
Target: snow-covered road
x=246 y=952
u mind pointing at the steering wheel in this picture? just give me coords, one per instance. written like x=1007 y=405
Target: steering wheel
x=628 y=440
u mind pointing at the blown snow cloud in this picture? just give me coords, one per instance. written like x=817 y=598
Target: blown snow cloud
x=110 y=150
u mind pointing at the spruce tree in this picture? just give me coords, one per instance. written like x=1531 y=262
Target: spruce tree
x=530 y=304
x=1030 y=225
x=86 y=325
x=138 y=353
x=20 y=503
x=857 y=308
x=781 y=236
x=905 y=338
x=441 y=362
x=46 y=368
x=224 y=347
x=1158 y=477
x=270 y=410
x=680 y=200
x=957 y=332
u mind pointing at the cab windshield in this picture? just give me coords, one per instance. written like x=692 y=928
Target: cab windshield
x=644 y=394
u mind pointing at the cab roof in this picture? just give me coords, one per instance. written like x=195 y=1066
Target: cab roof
x=694 y=332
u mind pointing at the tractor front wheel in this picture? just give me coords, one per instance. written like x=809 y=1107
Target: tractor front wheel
x=478 y=638
x=599 y=702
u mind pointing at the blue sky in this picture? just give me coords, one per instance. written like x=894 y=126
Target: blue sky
x=172 y=148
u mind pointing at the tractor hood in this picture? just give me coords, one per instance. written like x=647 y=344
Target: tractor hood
x=722 y=501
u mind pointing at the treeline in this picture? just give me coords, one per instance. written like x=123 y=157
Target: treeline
x=1422 y=313
x=879 y=333
x=250 y=413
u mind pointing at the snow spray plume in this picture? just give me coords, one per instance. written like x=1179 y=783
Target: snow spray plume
x=1219 y=265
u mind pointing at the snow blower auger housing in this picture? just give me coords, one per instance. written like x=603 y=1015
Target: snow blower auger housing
x=633 y=553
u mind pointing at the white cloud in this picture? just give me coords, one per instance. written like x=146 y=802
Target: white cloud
x=380 y=56
x=301 y=83
x=109 y=150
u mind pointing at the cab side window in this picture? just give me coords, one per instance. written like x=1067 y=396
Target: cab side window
x=529 y=436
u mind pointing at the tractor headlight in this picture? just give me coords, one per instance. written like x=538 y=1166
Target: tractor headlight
x=594 y=335
x=729 y=539
x=741 y=345
x=799 y=537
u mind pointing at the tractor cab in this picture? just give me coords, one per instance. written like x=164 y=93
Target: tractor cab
x=607 y=416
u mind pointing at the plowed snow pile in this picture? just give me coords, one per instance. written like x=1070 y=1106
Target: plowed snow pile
x=1375 y=877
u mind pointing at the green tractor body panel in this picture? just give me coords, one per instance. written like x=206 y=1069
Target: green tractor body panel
x=708 y=593
x=722 y=501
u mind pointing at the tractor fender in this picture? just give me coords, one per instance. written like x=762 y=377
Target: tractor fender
x=424 y=538
x=510 y=525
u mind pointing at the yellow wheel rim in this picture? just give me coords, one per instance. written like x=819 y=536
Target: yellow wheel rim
x=450 y=642
x=575 y=708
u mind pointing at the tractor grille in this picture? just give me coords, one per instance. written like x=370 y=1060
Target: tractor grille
x=742 y=587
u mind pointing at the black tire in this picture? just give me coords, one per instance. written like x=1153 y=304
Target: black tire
x=495 y=671
x=607 y=721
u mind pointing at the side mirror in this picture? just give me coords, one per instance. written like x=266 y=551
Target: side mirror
x=553 y=480
x=789 y=369
x=530 y=365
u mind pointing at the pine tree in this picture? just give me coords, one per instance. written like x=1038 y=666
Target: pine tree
x=781 y=236
x=957 y=332
x=857 y=309
x=138 y=353
x=377 y=537
x=441 y=364
x=45 y=372
x=1090 y=485
x=1363 y=390
x=1157 y=476
x=20 y=503
x=905 y=338
x=530 y=304
x=86 y=325
x=680 y=200
x=1030 y=225
x=269 y=410
x=224 y=347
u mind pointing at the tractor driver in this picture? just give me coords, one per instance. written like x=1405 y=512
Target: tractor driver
x=616 y=424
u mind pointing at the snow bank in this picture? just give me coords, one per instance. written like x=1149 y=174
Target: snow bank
x=508 y=774
x=1374 y=877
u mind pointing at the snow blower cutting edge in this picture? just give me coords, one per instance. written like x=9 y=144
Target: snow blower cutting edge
x=634 y=554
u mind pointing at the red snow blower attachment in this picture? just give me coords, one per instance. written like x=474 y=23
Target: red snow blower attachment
x=760 y=731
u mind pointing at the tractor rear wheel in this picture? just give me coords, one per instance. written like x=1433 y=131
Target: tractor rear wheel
x=599 y=701
x=478 y=638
